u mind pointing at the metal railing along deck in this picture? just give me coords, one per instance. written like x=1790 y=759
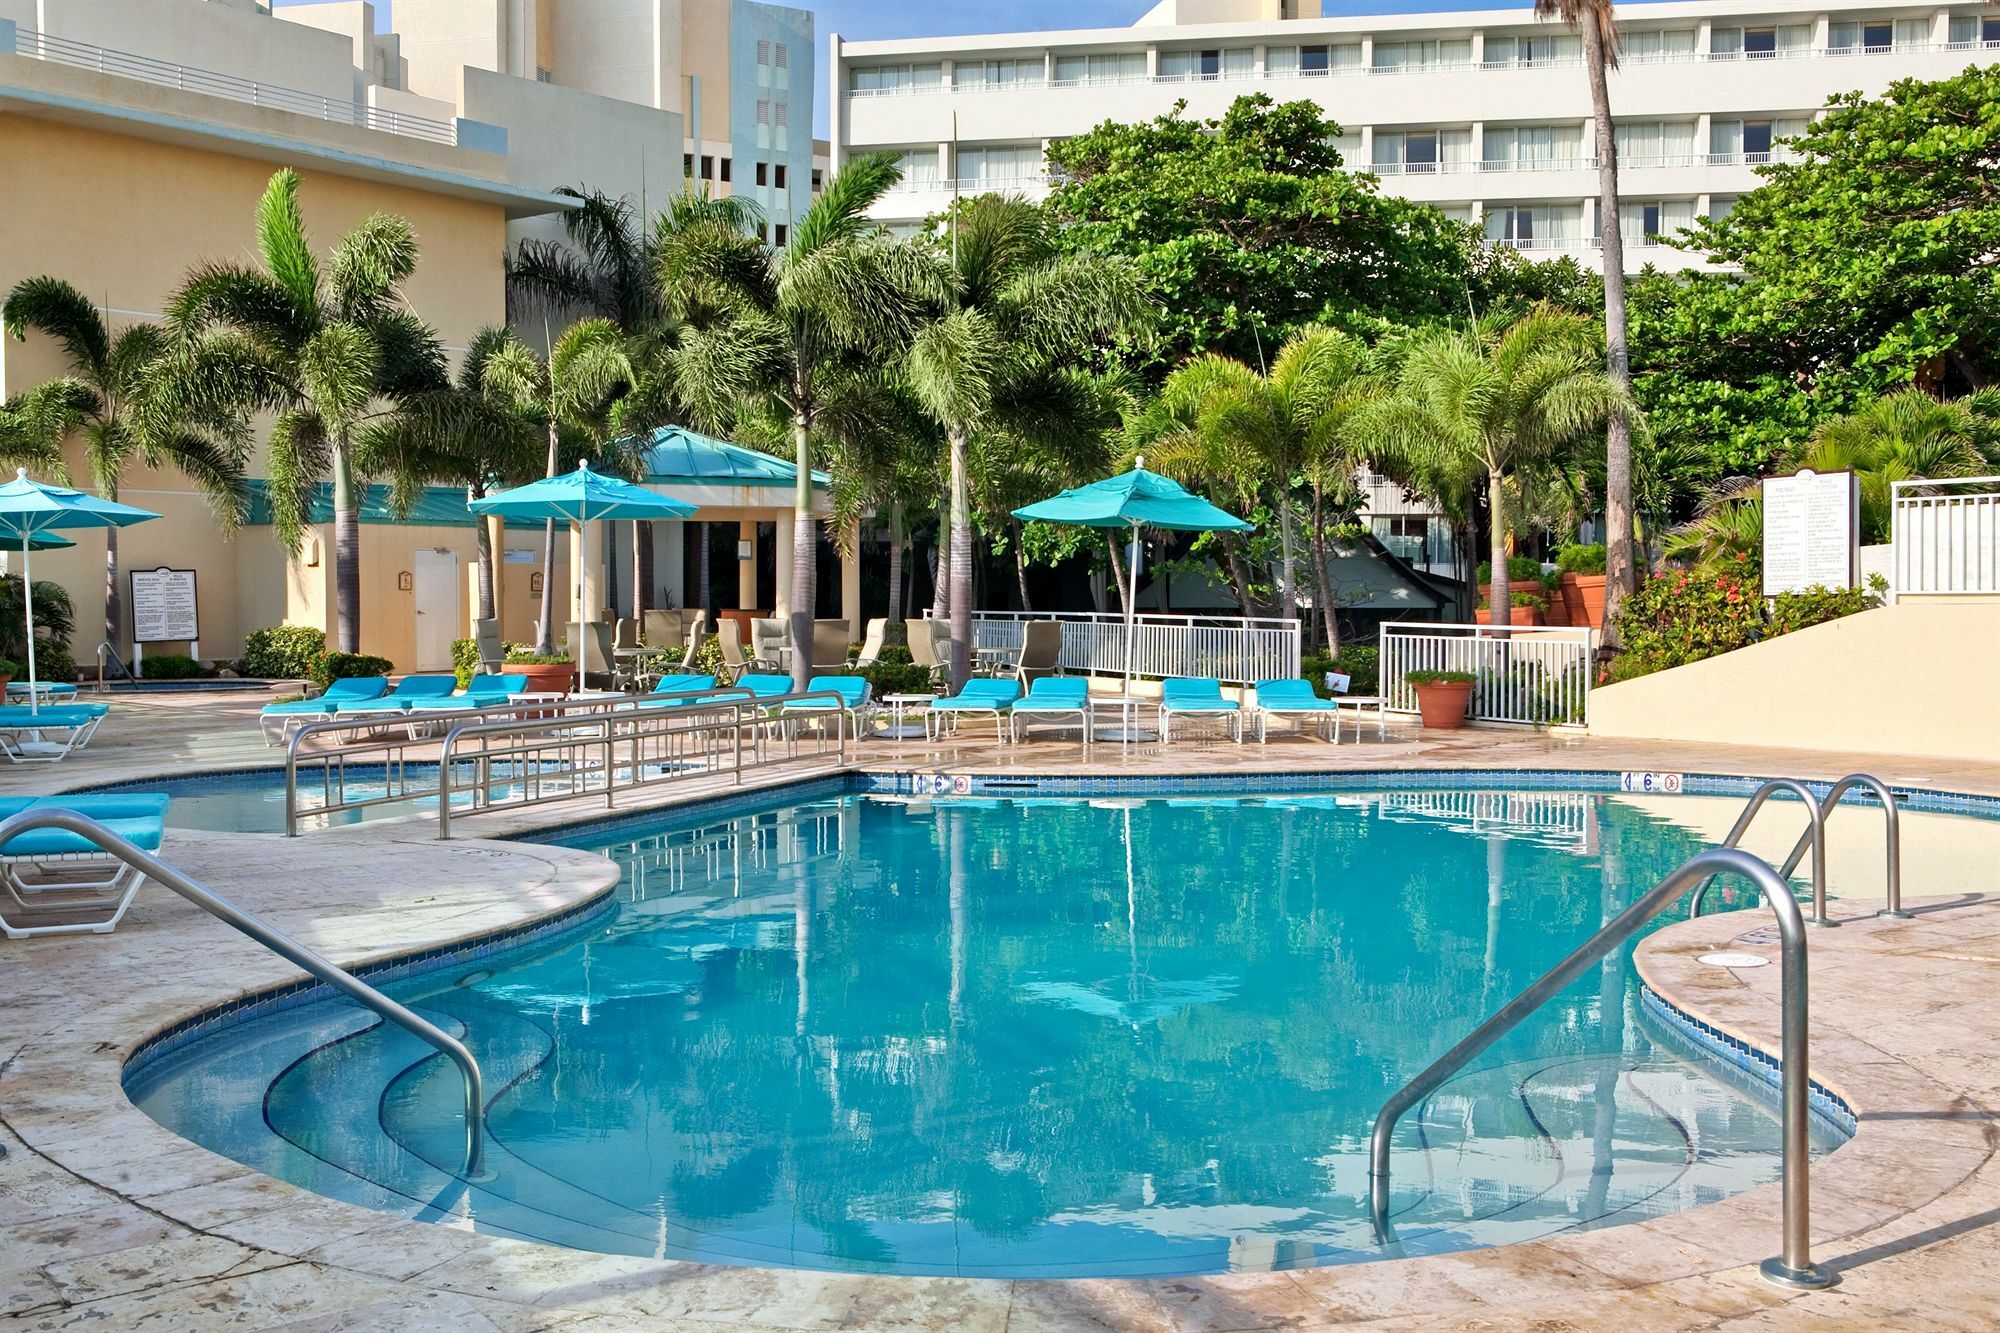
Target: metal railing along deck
x=1945 y=536
x=1537 y=675
x=1235 y=650
x=285 y=947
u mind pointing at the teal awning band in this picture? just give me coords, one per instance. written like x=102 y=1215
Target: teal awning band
x=437 y=507
x=681 y=455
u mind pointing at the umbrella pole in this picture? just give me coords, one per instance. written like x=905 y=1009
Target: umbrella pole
x=1131 y=604
x=28 y=605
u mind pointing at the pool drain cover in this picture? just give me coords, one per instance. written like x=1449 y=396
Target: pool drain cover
x=1733 y=960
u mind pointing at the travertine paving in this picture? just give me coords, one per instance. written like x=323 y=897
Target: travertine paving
x=109 y=1221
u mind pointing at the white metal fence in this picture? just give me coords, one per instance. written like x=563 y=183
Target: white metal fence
x=1946 y=536
x=63 y=51
x=1236 y=651
x=1533 y=674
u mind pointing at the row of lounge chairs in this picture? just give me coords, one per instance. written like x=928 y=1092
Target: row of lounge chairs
x=51 y=873
x=1061 y=698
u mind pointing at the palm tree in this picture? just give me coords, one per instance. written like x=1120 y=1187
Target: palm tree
x=35 y=422
x=573 y=395
x=1594 y=21
x=327 y=350
x=793 y=327
x=1489 y=400
x=1017 y=311
x=122 y=418
x=1221 y=418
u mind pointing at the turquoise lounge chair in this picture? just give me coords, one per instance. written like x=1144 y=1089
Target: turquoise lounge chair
x=43 y=735
x=479 y=692
x=983 y=696
x=1052 y=697
x=681 y=683
x=1295 y=698
x=407 y=689
x=46 y=871
x=855 y=700
x=1196 y=696
x=278 y=719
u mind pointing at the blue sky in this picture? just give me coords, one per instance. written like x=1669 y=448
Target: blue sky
x=867 y=20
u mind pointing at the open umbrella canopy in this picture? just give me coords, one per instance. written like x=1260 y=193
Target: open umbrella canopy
x=582 y=496
x=1134 y=499
x=40 y=541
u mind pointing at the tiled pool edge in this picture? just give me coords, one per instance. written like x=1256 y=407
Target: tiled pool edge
x=1758 y=1066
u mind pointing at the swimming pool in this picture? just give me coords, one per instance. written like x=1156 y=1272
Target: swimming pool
x=1032 y=1035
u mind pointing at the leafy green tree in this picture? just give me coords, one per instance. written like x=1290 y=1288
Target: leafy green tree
x=1490 y=400
x=1247 y=228
x=1869 y=262
x=794 y=326
x=327 y=350
x=1016 y=311
x=124 y=417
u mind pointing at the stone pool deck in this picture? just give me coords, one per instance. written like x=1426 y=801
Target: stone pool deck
x=109 y=1221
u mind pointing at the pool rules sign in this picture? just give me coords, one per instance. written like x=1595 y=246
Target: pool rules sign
x=163 y=606
x=1811 y=520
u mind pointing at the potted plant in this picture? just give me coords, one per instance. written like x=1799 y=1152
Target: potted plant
x=1582 y=583
x=1442 y=696
x=1527 y=610
x=8 y=667
x=551 y=673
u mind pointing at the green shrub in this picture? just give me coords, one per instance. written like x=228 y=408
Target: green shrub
x=1520 y=569
x=169 y=666
x=1359 y=661
x=464 y=660
x=329 y=667
x=1681 y=616
x=520 y=654
x=52 y=660
x=282 y=652
x=10 y=668
x=1439 y=677
x=709 y=658
x=895 y=654
x=1580 y=559
x=1815 y=606
x=904 y=677
x=1520 y=597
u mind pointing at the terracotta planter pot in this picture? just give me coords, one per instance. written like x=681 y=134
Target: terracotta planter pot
x=1443 y=704
x=545 y=677
x=1557 y=615
x=1584 y=595
x=1523 y=615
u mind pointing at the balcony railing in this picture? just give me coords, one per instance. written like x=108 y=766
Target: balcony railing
x=187 y=78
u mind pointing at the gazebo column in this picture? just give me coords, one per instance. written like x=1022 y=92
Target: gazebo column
x=786 y=548
x=586 y=579
x=496 y=539
x=746 y=570
x=850 y=580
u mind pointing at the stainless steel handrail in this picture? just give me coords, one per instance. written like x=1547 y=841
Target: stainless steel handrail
x=285 y=947
x=105 y=649
x=1814 y=837
x=1793 y=1267
x=1893 y=835
x=530 y=735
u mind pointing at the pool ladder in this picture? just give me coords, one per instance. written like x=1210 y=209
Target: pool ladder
x=285 y=947
x=1793 y=1265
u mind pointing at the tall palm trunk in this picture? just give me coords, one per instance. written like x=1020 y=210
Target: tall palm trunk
x=704 y=599
x=1619 y=565
x=941 y=562
x=961 y=566
x=1502 y=600
x=642 y=568
x=1020 y=566
x=1117 y=569
x=804 y=545
x=895 y=562
x=1329 y=614
x=1239 y=576
x=545 y=629
x=482 y=546
x=1288 y=591
x=113 y=611
x=346 y=550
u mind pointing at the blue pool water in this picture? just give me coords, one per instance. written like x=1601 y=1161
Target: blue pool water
x=1036 y=1036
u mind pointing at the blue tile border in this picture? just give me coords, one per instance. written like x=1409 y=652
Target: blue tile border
x=1761 y=1067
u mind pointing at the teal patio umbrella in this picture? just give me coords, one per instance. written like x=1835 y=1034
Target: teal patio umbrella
x=29 y=513
x=1135 y=499
x=580 y=497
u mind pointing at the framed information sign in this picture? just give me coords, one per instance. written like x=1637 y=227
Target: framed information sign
x=163 y=606
x=1811 y=522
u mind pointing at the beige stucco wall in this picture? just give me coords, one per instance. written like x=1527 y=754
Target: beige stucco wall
x=1912 y=679
x=225 y=36
x=175 y=206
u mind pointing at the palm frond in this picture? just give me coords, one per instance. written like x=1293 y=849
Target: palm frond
x=841 y=211
x=370 y=263
x=283 y=244
x=56 y=308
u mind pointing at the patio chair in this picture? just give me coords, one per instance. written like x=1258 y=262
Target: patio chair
x=684 y=682
x=1052 y=698
x=697 y=635
x=1041 y=650
x=492 y=652
x=871 y=645
x=53 y=872
x=278 y=720
x=830 y=644
x=590 y=646
x=924 y=650
x=1338 y=683
x=1196 y=696
x=625 y=635
x=44 y=735
x=855 y=700
x=983 y=696
x=768 y=636
x=1295 y=698
x=665 y=630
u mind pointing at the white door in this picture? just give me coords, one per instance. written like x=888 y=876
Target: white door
x=440 y=613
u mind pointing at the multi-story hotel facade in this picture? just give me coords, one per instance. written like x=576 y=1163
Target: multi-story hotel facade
x=1485 y=114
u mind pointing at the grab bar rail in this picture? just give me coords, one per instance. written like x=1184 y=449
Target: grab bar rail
x=104 y=650
x=1814 y=837
x=1793 y=1266
x=1892 y=835
x=285 y=947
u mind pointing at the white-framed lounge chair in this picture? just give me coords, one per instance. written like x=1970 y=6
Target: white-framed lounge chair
x=1196 y=696
x=983 y=696
x=52 y=872
x=408 y=690
x=46 y=691
x=856 y=700
x=1052 y=698
x=1338 y=683
x=479 y=692
x=1294 y=698
x=279 y=719
x=43 y=735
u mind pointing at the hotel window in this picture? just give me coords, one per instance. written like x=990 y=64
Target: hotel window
x=1533 y=227
x=920 y=168
x=1212 y=63
x=1655 y=143
x=1759 y=43
x=687 y=164
x=1313 y=61
x=723 y=166
x=1448 y=53
x=898 y=78
x=974 y=75
x=782 y=112
x=783 y=57
x=1751 y=141
x=1528 y=52
x=1720 y=206
x=1974 y=29
x=1532 y=148
x=707 y=167
x=783 y=233
x=999 y=165
x=1421 y=152
x=763 y=52
x=816 y=180
x=763 y=174
x=763 y=113
x=1657 y=44
x=1640 y=224
x=1874 y=36
x=778 y=175
x=1116 y=67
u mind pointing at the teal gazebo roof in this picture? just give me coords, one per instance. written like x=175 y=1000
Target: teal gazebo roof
x=681 y=455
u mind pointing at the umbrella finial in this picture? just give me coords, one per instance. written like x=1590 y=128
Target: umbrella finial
x=1140 y=463
x=20 y=474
